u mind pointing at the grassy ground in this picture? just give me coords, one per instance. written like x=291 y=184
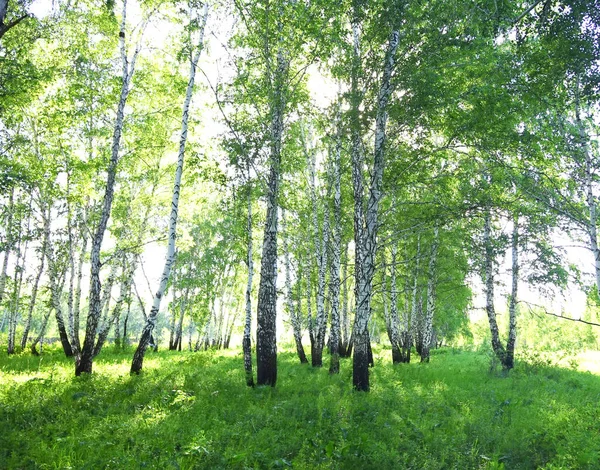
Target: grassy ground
x=194 y=411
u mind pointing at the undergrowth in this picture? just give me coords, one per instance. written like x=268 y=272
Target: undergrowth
x=192 y=410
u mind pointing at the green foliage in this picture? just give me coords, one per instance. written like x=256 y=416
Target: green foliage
x=193 y=411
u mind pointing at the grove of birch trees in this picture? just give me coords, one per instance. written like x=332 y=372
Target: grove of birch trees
x=327 y=175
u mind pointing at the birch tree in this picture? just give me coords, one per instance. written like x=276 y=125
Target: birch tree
x=365 y=221
x=56 y=271
x=34 y=293
x=23 y=237
x=292 y=309
x=394 y=319
x=335 y=335
x=138 y=357
x=427 y=326
x=321 y=246
x=84 y=360
x=247 y=338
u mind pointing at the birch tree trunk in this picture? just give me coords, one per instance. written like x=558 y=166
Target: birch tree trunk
x=321 y=321
x=175 y=303
x=143 y=310
x=247 y=341
x=412 y=324
x=218 y=339
x=345 y=326
x=509 y=358
x=41 y=333
x=8 y=246
x=107 y=295
x=320 y=242
x=14 y=309
x=488 y=276
x=229 y=327
x=589 y=189
x=173 y=318
x=34 y=292
x=72 y=274
x=77 y=297
x=334 y=280
x=384 y=301
x=360 y=370
x=125 y=286
x=55 y=286
x=431 y=285
x=294 y=314
x=182 y=309
x=84 y=361
x=266 y=339
x=366 y=240
x=138 y=357
x=309 y=314
x=397 y=353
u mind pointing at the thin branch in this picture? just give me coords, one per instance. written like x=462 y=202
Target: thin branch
x=11 y=24
x=546 y=312
x=526 y=12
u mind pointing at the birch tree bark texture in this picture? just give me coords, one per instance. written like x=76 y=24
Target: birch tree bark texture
x=336 y=249
x=431 y=285
x=509 y=358
x=365 y=221
x=266 y=340
x=488 y=277
x=247 y=339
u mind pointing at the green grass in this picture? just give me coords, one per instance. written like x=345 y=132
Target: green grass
x=192 y=410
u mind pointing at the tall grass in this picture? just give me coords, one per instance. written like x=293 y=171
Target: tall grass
x=194 y=411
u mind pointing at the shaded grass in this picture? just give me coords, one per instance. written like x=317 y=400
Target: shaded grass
x=192 y=410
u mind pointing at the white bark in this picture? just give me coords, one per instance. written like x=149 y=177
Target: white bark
x=86 y=355
x=55 y=284
x=394 y=316
x=34 y=293
x=247 y=341
x=125 y=287
x=412 y=324
x=293 y=313
x=8 y=245
x=77 y=298
x=15 y=309
x=321 y=323
x=361 y=292
x=488 y=278
x=320 y=237
x=138 y=358
x=72 y=274
x=589 y=190
x=512 y=306
x=266 y=334
x=366 y=239
x=336 y=249
x=345 y=321
x=431 y=285
x=107 y=295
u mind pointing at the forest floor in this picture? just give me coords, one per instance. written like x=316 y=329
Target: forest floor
x=193 y=410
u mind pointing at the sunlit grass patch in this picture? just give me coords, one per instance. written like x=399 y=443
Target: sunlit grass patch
x=193 y=410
